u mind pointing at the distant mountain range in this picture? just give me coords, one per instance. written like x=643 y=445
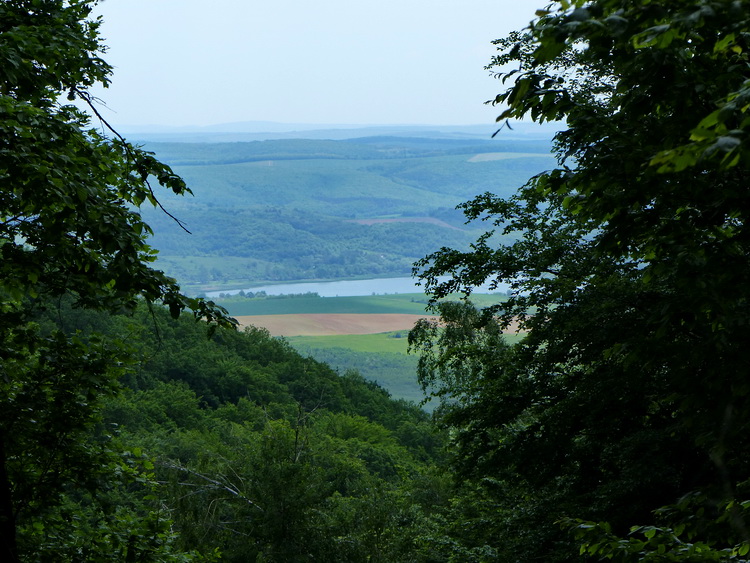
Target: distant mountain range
x=269 y=130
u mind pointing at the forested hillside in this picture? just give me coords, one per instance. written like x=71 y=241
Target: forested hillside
x=254 y=451
x=138 y=424
x=314 y=209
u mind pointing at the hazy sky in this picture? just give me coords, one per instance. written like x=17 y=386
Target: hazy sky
x=202 y=62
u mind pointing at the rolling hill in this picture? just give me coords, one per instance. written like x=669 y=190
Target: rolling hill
x=298 y=209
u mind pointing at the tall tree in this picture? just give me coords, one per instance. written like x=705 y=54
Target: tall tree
x=69 y=225
x=630 y=273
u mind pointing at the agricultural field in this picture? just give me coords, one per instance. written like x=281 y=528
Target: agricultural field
x=363 y=333
x=393 y=342
x=403 y=303
x=327 y=324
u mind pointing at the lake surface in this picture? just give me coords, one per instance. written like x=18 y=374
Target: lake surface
x=347 y=288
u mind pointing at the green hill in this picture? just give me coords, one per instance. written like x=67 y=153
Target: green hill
x=288 y=209
x=255 y=452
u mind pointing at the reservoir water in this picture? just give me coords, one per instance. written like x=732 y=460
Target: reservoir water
x=345 y=288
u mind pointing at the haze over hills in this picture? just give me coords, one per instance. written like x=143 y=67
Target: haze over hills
x=302 y=209
x=268 y=130
x=309 y=209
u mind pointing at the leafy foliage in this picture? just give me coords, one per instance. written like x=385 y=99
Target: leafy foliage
x=630 y=273
x=68 y=227
x=260 y=453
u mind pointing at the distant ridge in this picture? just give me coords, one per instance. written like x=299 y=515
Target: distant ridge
x=267 y=130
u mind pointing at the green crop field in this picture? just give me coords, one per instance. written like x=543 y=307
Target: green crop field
x=404 y=303
x=384 y=342
x=413 y=304
x=395 y=342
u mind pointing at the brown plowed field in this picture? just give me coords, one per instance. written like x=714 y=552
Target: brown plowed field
x=324 y=324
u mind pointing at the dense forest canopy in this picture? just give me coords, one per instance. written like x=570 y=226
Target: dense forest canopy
x=623 y=414
x=614 y=428
x=257 y=453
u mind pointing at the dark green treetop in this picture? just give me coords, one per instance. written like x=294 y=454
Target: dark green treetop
x=630 y=273
x=69 y=225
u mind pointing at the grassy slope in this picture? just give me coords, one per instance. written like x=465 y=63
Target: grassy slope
x=381 y=343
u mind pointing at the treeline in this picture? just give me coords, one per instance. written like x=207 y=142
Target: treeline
x=242 y=295
x=246 y=449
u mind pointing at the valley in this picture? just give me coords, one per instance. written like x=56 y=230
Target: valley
x=294 y=209
x=358 y=333
x=293 y=215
